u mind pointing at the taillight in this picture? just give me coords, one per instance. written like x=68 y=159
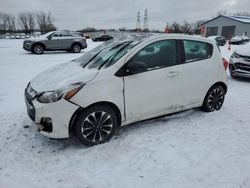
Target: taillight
x=225 y=63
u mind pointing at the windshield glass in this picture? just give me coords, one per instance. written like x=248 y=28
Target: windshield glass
x=47 y=34
x=106 y=54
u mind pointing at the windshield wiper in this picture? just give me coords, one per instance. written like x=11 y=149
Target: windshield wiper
x=125 y=44
x=98 y=54
x=92 y=58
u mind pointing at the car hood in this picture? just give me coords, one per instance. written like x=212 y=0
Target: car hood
x=34 y=39
x=244 y=50
x=237 y=38
x=62 y=75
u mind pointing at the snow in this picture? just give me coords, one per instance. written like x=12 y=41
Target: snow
x=187 y=149
x=244 y=19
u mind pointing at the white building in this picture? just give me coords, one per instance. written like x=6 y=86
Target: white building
x=227 y=26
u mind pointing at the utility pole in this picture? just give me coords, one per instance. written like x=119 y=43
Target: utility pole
x=138 y=22
x=145 y=23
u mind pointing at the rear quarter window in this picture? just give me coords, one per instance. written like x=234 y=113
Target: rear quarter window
x=197 y=50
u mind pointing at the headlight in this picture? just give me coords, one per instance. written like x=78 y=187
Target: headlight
x=66 y=92
x=27 y=42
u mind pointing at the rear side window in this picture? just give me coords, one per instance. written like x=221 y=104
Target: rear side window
x=157 y=55
x=196 y=50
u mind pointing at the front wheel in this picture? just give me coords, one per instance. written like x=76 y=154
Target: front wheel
x=214 y=99
x=231 y=69
x=76 y=48
x=38 y=49
x=96 y=125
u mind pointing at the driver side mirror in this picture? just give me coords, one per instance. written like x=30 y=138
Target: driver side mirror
x=136 y=67
x=49 y=37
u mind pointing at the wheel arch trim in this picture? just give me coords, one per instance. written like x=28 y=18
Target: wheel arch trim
x=77 y=113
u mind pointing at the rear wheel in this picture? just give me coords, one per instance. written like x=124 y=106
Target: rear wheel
x=214 y=99
x=38 y=49
x=76 y=48
x=96 y=125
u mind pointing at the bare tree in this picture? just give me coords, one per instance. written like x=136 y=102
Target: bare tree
x=7 y=23
x=11 y=23
x=23 y=22
x=3 y=23
x=45 y=21
x=175 y=28
x=221 y=12
x=243 y=13
x=27 y=22
x=31 y=22
x=187 y=27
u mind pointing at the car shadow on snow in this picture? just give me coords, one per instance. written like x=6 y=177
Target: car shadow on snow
x=55 y=52
x=159 y=121
x=58 y=145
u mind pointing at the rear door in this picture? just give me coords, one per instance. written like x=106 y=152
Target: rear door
x=199 y=71
x=67 y=40
x=157 y=90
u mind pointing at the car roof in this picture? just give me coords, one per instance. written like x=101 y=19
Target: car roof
x=141 y=37
x=180 y=36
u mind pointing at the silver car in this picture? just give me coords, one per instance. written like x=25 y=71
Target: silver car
x=56 y=40
x=239 y=64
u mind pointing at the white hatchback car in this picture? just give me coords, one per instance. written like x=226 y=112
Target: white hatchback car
x=125 y=81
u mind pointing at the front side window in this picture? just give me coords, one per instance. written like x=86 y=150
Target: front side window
x=196 y=50
x=57 y=34
x=157 y=55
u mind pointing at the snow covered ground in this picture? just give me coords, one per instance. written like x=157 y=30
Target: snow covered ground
x=190 y=149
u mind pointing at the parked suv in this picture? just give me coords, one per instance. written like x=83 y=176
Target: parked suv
x=56 y=40
x=239 y=64
x=125 y=81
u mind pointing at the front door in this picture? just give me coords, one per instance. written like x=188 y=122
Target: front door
x=155 y=91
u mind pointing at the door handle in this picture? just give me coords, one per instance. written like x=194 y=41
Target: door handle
x=173 y=74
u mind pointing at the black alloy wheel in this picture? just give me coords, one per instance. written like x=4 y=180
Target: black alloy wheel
x=214 y=99
x=96 y=125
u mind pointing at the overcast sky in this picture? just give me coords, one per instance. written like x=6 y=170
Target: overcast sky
x=77 y=14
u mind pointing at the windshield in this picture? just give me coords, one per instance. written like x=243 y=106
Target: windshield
x=47 y=34
x=106 y=54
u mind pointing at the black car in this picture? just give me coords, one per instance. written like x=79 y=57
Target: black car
x=102 y=38
x=221 y=41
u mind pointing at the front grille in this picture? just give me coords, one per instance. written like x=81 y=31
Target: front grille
x=242 y=66
x=246 y=58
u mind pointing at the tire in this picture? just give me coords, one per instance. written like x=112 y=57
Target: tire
x=214 y=99
x=38 y=49
x=96 y=125
x=231 y=74
x=76 y=48
x=234 y=77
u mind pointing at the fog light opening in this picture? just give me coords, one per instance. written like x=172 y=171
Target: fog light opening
x=46 y=122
